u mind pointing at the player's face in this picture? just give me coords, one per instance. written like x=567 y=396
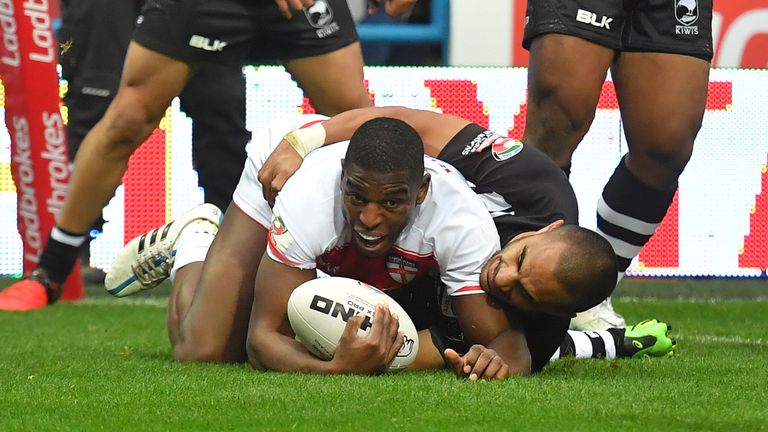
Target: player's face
x=379 y=206
x=522 y=275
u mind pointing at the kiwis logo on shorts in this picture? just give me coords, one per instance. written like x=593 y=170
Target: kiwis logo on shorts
x=319 y=14
x=686 y=13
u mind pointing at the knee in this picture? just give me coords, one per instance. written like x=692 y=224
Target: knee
x=669 y=147
x=556 y=122
x=126 y=125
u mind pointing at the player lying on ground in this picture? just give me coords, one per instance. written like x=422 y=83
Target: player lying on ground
x=522 y=190
x=222 y=336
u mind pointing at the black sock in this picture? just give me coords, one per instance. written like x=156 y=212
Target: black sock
x=592 y=344
x=618 y=339
x=60 y=253
x=628 y=213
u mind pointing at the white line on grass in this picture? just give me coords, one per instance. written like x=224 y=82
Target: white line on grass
x=711 y=300
x=730 y=340
x=138 y=301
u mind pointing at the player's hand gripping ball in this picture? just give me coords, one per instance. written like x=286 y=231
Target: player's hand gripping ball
x=318 y=311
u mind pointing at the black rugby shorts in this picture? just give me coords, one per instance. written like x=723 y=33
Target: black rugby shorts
x=668 y=26
x=242 y=31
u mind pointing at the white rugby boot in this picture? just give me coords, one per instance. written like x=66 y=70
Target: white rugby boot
x=147 y=260
x=600 y=317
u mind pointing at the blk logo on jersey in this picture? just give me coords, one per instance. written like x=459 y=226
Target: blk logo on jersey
x=401 y=269
x=204 y=43
x=686 y=13
x=590 y=18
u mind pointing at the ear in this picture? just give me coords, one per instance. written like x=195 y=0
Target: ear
x=553 y=225
x=423 y=189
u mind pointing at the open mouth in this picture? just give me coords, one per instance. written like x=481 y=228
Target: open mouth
x=369 y=241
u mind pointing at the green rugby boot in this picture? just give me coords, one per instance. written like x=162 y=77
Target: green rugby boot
x=649 y=338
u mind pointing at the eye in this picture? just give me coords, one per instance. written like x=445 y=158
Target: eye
x=355 y=199
x=391 y=204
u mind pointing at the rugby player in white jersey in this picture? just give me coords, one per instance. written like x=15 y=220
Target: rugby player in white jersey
x=210 y=304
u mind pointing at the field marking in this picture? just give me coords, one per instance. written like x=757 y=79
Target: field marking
x=146 y=301
x=729 y=340
x=691 y=300
x=706 y=339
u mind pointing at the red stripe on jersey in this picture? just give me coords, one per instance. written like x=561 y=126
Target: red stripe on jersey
x=313 y=122
x=468 y=289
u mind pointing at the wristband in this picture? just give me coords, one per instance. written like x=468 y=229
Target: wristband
x=304 y=141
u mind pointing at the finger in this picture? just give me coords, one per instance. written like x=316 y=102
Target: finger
x=284 y=9
x=480 y=361
x=278 y=183
x=381 y=318
x=394 y=323
x=480 y=365
x=471 y=356
x=492 y=369
x=353 y=324
x=457 y=362
x=396 y=346
x=503 y=372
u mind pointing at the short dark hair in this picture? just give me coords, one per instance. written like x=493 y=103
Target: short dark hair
x=386 y=145
x=588 y=269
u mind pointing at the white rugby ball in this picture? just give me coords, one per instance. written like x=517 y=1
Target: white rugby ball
x=318 y=311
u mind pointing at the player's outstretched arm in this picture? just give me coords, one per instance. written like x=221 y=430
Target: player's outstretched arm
x=271 y=342
x=490 y=327
x=436 y=130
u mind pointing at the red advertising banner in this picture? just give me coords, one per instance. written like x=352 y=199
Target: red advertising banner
x=39 y=163
x=740 y=33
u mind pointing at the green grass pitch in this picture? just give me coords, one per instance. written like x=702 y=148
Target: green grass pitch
x=104 y=364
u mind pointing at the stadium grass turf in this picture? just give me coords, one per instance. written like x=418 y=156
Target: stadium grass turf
x=105 y=364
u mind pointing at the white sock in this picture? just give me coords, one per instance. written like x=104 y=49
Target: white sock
x=192 y=246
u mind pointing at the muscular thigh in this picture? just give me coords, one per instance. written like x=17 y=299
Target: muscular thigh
x=565 y=77
x=662 y=99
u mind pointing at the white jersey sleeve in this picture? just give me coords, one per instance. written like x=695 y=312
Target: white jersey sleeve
x=307 y=218
x=463 y=232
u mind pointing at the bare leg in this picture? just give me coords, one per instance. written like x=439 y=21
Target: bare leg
x=661 y=115
x=661 y=119
x=339 y=85
x=210 y=302
x=565 y=77
x=150 y=81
